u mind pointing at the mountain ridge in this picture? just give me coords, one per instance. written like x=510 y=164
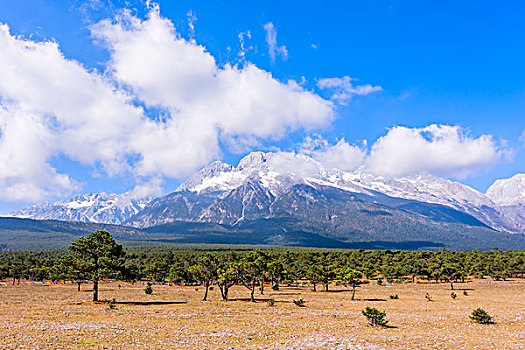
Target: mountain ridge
x=214 y=194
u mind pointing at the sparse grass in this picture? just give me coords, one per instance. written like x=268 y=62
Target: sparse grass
x=59 y=317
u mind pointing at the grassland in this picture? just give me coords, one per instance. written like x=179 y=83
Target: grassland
x=60 y=317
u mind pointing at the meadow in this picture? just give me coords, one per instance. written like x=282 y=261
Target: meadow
x=57 y=316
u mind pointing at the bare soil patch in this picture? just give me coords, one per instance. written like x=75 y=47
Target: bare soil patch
x=174 y=317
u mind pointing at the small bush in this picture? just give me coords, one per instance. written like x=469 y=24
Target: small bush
x=374 y=316
x=465 y=292
x=111 y=304
x=380 y=281
x=299 y=302
x=210 y=287
x=453 y=295
x=271 y=302
x=148 y=289
x=428 y=297
x=395 y=296
x=275 y=286
x=481 y=316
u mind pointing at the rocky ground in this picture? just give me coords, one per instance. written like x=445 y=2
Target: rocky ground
x=60 y=317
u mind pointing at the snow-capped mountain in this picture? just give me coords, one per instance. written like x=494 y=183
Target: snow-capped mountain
x=508 y=191
x=509 y=195
x=107 y=208
x=279 y=171
x=262 y=182
x=228 y=194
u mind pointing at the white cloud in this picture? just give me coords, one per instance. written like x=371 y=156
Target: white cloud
x=26 y=144
x=271 y=40
x=192 y=18
x=438 y=149
x=522 y=137
x=167 y=71
x=343 y=88
x=293 y=164
x=243 y=49
x=342 y=155
x=53 y=106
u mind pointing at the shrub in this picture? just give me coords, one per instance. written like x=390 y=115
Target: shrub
x=275 y=286
x=395 y=296
x=481 y=316
x=111 y=304
x=428 y=297
x=374 y=316
x=465 y=292
x=148 y=289
x=299 y=302
x=453 y=295
x=271 y=302
x=210 y=287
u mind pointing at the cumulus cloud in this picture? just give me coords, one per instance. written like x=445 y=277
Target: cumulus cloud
x=438 y=149
x=293 y=164
x=25 y=147
x=53 y=106
x=343 y=89
x=164 y=70
x=342 y=155
x=271 y=41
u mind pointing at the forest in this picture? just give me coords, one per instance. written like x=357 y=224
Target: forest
x=97 y=257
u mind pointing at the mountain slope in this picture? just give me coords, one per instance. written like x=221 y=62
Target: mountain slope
x=278 y=172
x=509 y=195
x=96 y=208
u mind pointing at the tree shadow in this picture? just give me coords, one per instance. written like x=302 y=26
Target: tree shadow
x=285 y=293
x=259 y=300
x=372 y=299
x=147 y=302
x=388 y=326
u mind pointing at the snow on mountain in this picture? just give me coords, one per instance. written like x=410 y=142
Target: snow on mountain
x=507 y=192
x=107 y=208
x=260 y=177
x=280 y=171
x=509 y=195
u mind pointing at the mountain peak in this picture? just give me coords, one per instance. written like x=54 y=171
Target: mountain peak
x=509 y=191
x=252 y=160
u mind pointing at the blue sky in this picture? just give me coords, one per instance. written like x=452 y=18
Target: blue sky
x=455 y=65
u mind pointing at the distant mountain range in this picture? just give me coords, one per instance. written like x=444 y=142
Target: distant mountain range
x=90 y=207
x=291 y=199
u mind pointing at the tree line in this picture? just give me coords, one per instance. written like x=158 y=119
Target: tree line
x=98 y=256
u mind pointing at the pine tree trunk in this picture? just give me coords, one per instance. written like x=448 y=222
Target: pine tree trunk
x=78 y=286
x=353 y=292
x=206 y=291
x=261 y=287
x=326 y=287
x=253 y=291
x=95 y=290
x=315 y=287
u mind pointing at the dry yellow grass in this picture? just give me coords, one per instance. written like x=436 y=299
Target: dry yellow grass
x=38 y=317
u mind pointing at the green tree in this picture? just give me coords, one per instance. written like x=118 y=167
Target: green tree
x=205 y=271
x=252 y=269
x=353 y=278
x=98 y=256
